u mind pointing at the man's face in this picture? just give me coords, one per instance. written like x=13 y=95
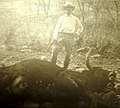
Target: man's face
x=69 y=10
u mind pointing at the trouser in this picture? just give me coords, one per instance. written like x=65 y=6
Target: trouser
x=67 y=42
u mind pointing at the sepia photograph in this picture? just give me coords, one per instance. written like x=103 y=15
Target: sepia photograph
x=59 y=53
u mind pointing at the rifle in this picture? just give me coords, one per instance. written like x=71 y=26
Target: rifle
x=53 y=42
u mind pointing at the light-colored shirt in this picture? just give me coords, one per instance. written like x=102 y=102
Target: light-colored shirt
x=67 y=24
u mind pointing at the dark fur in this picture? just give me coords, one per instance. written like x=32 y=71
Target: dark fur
x=45 y=82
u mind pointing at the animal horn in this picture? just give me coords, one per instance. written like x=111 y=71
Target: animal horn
x=87 y=59
x=17 y=80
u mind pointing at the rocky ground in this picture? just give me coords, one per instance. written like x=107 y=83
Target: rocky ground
x=77 y=60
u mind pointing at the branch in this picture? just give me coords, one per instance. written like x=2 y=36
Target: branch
x=117 y=11
x=97 y=4
x=48 y=8
x=81 y=8
x=44 y=5
x=113 y=20
x=79 y=5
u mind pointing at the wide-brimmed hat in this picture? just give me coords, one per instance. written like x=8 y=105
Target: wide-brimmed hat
x=69 y=5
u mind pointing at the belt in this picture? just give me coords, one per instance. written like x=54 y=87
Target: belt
x=63 y=33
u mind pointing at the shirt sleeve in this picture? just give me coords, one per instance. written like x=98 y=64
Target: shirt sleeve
x=79 y=26
x=57 y=27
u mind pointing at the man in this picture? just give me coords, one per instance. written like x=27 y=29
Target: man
x=67 y=27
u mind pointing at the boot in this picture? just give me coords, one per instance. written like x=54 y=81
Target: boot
x=54 y=57
x=66 y=62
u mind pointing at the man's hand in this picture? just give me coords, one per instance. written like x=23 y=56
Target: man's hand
x=54 y=41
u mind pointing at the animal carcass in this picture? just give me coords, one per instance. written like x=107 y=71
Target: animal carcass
x=41 y=81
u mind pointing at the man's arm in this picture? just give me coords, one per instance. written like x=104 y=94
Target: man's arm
x=79 y=26
x=57 y=27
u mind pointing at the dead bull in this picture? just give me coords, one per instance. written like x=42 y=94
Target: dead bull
x=41 y=81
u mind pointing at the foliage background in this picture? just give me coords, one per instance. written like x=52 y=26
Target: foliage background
x=24 y=22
